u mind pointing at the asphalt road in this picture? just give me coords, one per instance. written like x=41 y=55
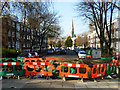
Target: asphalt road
x=69 y=54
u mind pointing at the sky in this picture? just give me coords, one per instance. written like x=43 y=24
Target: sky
x=67 y=12
x=66 y=9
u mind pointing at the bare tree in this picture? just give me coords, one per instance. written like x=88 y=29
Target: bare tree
x=43 y=20
x=100 y=13
x=37 y=15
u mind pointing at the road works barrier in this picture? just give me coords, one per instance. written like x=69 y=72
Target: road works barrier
x=87 y=56
x=98 y=70
x=38 y=68
x=73 y=70
x=111 y=68
x=118 y=66
x=33 y=60
x=11 y=68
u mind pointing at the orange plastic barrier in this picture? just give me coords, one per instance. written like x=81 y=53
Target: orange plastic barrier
x=38 y=68
x=87 y=56
x=98 y=70
x=73 y=70
x=33 y=60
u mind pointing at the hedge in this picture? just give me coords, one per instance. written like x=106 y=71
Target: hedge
x=10 y=53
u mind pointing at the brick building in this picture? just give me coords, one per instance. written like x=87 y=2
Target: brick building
x=16 y=35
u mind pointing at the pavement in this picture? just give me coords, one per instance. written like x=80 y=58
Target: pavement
x=59 y=83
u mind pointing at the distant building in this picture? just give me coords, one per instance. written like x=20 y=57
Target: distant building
x=116 y=36
x=73 y=36
x=17 y=36
x=94 y=41
x=53 y=40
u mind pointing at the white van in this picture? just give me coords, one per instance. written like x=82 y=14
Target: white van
x=81 y=54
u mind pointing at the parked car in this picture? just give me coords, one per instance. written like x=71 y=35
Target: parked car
x=50 y=51
x=58 y=50
x=34 y=54
x=24 y=55
x=62 y=51
x=81 y=54
x=28 y=55
x=78 y=50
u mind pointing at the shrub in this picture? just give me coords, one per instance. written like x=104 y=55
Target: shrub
x=10 y=53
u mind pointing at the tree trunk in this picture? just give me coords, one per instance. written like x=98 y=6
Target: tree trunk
x=109 y=50
x=102 y=48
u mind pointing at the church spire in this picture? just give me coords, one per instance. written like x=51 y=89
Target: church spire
x=72 y=30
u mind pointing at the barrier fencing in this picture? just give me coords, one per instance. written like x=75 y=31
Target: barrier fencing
x=11 y=68
x=73 y=70
x=38 y=66
x=98 y=70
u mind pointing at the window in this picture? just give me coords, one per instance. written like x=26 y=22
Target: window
x=18 y=27
x=13 y=24
x=27 y=29
x=9 y=34
x=82 y=70
x=27 y=37
x=13 y=44
x=13 y=34
x=23 y=45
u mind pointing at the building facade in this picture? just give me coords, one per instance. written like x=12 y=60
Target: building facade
x=16 y=35
x=94 y=41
